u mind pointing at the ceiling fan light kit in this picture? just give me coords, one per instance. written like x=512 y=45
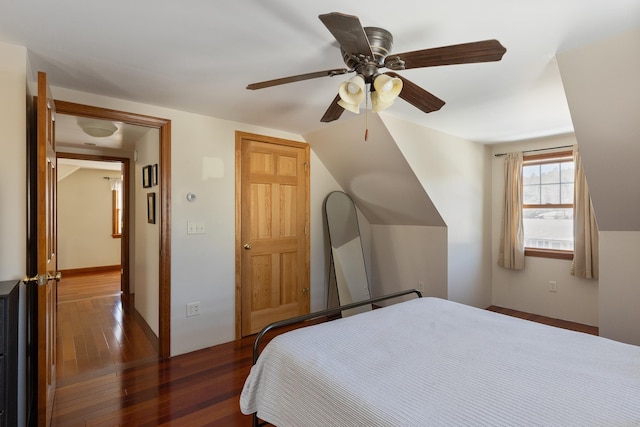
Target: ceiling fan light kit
x=366 y=50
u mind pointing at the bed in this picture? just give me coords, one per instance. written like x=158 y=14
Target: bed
x=433 y=362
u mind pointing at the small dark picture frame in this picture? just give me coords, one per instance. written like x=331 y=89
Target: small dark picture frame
x=154 y=175
x=146 y=176
x=151 y=208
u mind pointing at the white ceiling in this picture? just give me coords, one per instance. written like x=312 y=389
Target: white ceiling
x=198 y=56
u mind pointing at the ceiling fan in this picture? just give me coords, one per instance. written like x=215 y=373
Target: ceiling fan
x=366 y=50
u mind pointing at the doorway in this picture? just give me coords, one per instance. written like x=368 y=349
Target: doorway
x=93 y=215
x=164 y=189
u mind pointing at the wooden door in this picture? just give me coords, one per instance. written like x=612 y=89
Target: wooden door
x=47 y=267
x=272 y=238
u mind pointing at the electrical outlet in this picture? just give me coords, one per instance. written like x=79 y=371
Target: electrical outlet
x=553 y=286
x=195 y=227
x=193 y=309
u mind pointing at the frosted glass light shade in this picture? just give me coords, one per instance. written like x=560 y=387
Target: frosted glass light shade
x=352 y=93
x=388 y=88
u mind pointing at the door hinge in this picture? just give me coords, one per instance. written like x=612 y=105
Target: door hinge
x=306 y=231
x=306 y=167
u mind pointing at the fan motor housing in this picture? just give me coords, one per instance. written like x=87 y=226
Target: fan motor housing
x=380 y=41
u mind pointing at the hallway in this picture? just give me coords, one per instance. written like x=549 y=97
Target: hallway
x=97 y=332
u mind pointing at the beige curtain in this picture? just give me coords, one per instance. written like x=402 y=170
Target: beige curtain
x=585 y=229
x=512 y=235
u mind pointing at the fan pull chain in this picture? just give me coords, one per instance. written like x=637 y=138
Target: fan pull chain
x=366 y=118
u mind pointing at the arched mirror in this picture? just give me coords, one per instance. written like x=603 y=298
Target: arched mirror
x=347 y=259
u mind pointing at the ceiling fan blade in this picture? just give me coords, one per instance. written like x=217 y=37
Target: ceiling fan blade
x=299 y=77
x=418 y=97
x=348 y=31
x=333 y=112
x=482 y=51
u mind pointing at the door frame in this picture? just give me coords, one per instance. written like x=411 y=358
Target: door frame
x=125 y=264
x=240 y=136
x=164 y=178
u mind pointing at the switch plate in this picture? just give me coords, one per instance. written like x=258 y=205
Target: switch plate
x=553 y=286
x=193 y=309
x=195 y=227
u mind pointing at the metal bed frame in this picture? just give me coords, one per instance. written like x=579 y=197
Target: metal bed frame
x=323 y=313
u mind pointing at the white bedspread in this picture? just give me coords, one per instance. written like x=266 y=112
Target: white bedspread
x=431 y=362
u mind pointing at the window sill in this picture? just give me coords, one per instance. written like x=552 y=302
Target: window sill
x=548 y=253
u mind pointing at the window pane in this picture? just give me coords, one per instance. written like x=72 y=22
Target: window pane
x=567 y=172
x=550 y=173
x=550 y=194
x=531 y=174
x=548 y=228
x=566 y=192
x=531 y=194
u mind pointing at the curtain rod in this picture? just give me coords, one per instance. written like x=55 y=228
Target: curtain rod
x=539 y=149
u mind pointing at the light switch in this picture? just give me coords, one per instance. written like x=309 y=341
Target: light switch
x=195 y=227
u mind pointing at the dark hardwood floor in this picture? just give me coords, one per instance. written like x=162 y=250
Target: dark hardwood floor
x=96 y=330
x=196 y=389
x=558 y=323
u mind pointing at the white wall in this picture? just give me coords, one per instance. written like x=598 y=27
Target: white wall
x=409 y=256
x=322 y=183
x=455 y=173
x=203 y=266
x=84 y=220
x=13 y=134
x=620 y=273
x=13 y=190
x=602 y=84
x=528 y=290
x=146 y=236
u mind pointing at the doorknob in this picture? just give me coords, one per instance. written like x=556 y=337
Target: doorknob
x=247 y=246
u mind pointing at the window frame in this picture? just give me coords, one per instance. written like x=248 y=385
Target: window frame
x=116 y=231
x=540 y=159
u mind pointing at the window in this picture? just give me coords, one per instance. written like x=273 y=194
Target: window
x=548 y=205
x=116 y=208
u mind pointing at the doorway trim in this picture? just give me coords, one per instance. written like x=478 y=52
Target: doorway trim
x=164 y=126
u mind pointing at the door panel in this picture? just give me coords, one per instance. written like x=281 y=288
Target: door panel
x=47 y=266
x=272 y=238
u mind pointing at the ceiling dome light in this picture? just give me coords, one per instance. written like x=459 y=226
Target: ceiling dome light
x=97 y=128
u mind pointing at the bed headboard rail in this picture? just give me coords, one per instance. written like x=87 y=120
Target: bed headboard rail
x=324 y=313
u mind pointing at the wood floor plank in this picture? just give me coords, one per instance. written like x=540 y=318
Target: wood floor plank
x=558 y=323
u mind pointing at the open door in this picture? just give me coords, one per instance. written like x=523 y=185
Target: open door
x=43 y=272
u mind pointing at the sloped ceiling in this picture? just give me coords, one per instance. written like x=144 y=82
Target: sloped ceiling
x=374 y=172
x=602 y=84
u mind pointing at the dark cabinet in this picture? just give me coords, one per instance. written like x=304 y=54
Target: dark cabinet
x=9 y=292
